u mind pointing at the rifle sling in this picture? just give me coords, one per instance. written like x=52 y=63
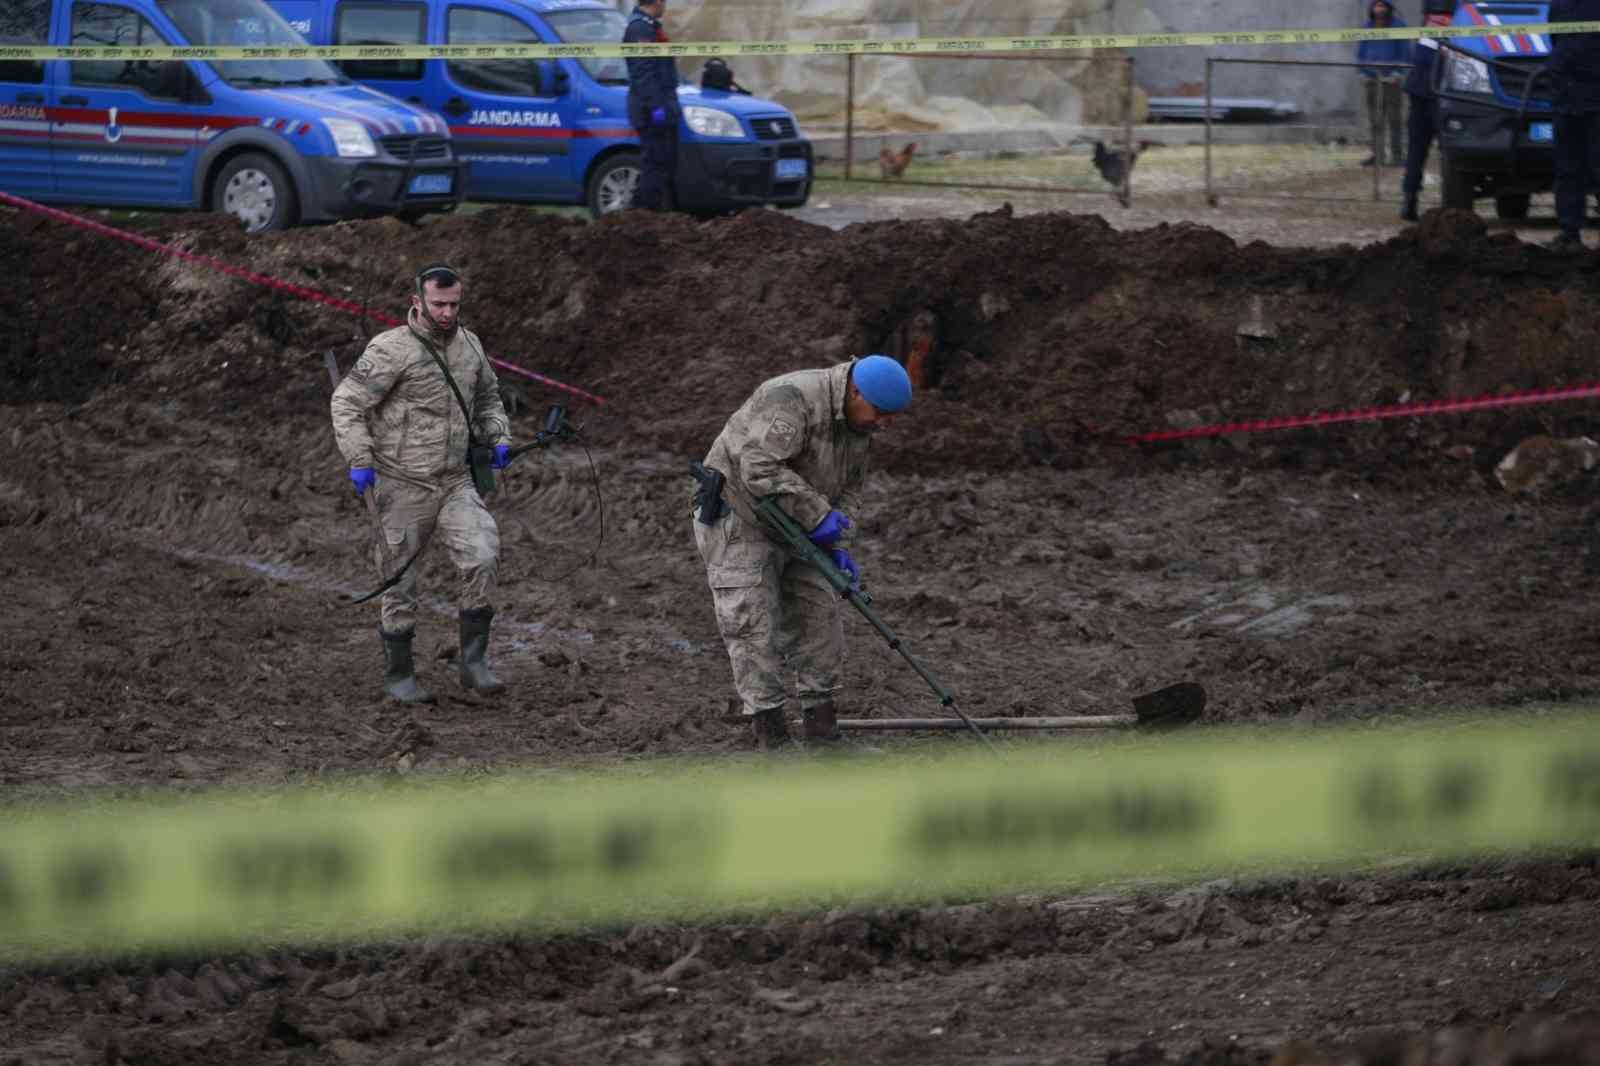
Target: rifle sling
x=472 y=438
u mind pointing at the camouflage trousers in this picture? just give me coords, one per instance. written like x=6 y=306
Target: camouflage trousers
x=778 y=617
x=411 y=515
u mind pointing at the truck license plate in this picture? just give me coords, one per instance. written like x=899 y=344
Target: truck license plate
x=429 y=184
x=791 y=169
x=1541 y=131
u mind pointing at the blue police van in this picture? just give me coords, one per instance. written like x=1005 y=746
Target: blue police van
x=556 y=131
x=271 y=143
x=1495 y=128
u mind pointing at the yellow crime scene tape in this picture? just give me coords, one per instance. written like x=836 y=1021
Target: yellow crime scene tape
x=903 y=46
x=369 y=860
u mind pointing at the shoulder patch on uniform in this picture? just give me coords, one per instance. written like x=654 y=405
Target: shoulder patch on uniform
x=781 y=431
x=364 y=365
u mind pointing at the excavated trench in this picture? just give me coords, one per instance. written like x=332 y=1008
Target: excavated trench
x=176 y=529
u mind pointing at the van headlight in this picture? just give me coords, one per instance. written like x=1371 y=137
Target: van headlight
x=350 y=138
x=710 y=122
x=1463 y=74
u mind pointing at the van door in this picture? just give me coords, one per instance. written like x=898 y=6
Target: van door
x=506 y=115
x=26 y=94
x=371 y=23
x=127 y=131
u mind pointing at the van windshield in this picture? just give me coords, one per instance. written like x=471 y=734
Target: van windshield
x=248 y=24
x=593 y=25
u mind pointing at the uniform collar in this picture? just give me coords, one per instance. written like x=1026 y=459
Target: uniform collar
x=640 y=13
x=420 y=327
x=839 y=387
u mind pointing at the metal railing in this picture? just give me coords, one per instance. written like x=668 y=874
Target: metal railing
x=1379 y=122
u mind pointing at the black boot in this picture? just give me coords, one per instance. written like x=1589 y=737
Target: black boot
x=475 y=673
x=1567 y=243
x=399 y=675
x=822 y=733
x=822 y=724
x=771 y=729
x=1408 y=213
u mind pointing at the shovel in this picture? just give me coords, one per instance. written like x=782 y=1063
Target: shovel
x=1166 y=708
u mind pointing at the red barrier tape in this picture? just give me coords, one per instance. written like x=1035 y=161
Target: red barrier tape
x=298 y=291
x=1373 y=414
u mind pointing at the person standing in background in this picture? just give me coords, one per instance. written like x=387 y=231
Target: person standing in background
x=1381 y=85
x=1421 y=117
x=653 y=109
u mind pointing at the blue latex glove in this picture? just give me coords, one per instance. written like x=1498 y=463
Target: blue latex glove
x=658 y=116
x=830 y=529
x=502 y=456
x=842 y=560
x=362 y=478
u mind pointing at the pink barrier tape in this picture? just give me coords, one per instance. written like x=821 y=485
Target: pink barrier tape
x=1373 y=414
x=297 y=291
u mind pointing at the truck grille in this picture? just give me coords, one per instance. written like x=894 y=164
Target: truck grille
x=773 y=129
x=415 y=146
x=1514 y=76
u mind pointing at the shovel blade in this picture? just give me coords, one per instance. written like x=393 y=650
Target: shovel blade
x=1170 y=707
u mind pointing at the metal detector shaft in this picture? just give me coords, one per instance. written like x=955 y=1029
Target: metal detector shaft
x=774 y=515
x=778 y=520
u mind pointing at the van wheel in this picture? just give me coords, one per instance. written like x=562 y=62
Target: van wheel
x=1458 y=185
x=612 y=184
x=1513 y=207
x=256 y=190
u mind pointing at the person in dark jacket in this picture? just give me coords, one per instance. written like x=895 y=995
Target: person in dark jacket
x=653 y=108
x=1381 y=85
x=1421 y=116
x=1575 y=94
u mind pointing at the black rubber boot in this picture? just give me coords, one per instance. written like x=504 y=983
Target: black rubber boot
x=399 y=674
x=823 y=735
x=822 y=725
x=1567 y=243
x=475 y=673
x=771 y=730
x=1408 y=213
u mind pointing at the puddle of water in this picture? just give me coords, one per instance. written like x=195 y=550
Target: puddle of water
x=1261 y=613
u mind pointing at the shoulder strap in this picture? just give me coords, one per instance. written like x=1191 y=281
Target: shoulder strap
x=472 y=437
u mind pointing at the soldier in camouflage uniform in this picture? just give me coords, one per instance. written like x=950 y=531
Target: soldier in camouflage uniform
x=804 y=437
x=404 y=434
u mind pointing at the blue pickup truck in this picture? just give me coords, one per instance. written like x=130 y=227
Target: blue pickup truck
x=271 y=143
x=1495 y=129
x=556 y=131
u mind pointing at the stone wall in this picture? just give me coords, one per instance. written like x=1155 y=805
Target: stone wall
x=951 y=95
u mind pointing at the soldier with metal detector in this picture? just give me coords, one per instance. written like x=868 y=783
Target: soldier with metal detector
x=421 y=423
x=798 y=445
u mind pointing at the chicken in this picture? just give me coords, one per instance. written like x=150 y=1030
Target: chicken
x=1114 y=166
x=893 y=164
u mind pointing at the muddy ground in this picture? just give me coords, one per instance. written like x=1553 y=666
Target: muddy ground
x=177 y=538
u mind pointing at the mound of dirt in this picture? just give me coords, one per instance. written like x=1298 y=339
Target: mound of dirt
x=1037 y=339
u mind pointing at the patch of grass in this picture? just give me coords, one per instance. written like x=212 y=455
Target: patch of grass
x=1159 y=169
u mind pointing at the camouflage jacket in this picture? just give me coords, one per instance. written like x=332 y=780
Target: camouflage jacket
x=791 y=439
x=395 y=412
